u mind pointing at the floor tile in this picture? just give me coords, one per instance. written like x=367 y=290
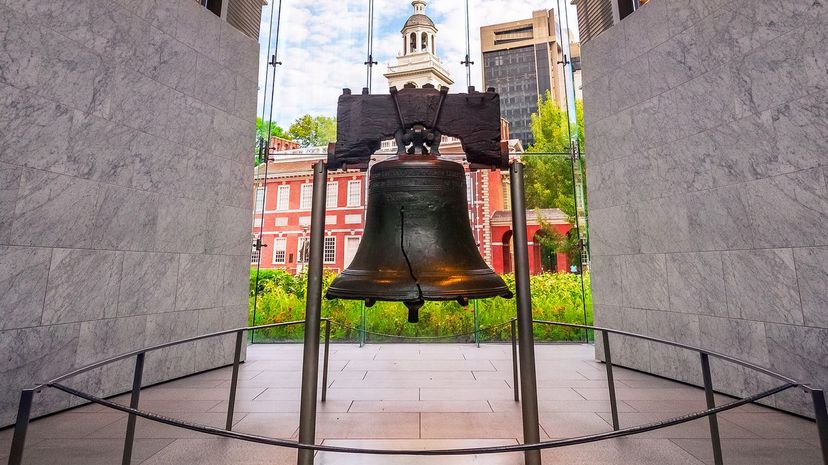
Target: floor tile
x=220 y=451
x=90 y=451
x=625 y=451
x=367 y=426
x=699 y=428
x=420 y=406
x=568 y=425
x=755 y=451
x=471 y=425
x=328 y=458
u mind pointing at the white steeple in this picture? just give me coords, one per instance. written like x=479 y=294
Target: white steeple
x=418 y=63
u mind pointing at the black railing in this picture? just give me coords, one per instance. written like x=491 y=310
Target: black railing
x=27 y=398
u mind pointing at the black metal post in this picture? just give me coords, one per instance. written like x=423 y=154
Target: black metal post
x=133 y=403
x=711 y=403
x=325 y=360
x=514 y=361
x=21 y=426
x=821 y=416
x=610 y=381
x=526 y=339
x=234 y=381
x=313 y=312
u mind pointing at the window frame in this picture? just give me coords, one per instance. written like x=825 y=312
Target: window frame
x=358 y=192
x=306 y=196
x=329 y=203
x=329 y=240
x=260 y=208
x=278 y=240
x=283 y=201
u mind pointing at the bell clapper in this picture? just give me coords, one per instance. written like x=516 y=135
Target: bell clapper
x=414 y=310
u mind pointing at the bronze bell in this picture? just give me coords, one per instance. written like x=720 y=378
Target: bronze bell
x=418 y=243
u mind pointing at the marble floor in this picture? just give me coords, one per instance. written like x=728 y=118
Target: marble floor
x=420 y=396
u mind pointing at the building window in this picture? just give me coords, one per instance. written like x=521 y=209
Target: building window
x=254 y=255
x=424 y=41
x=413 y=44
x=468 y=188
x=283 y=198
x=279 y=250
x=329 y=253
x=354 y=193
x=257 y=222
x=351 y=246
x=306 y=198
x=331 y=195
x=260 y=198
x=283 y=221
x=304 y=220
x=353 y=219
x=330 y=219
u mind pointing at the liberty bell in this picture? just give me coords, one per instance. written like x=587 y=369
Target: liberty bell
x=417 y=244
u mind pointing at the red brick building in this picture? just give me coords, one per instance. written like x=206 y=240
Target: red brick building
x=285 y=199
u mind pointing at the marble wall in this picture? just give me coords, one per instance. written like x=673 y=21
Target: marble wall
x=707 y=162
x=125 y=167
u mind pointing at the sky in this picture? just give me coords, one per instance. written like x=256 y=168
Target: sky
x=323 y=46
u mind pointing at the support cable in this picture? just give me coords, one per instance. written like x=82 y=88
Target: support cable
x=369 y=62
x=265 y=147
x=574 y=149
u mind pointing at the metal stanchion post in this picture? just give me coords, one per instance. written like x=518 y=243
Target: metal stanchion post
x=362 y=326
x=515 y=381
x=711 y=403
x=234 y=381
x=313 y=310
x=325 y=360
x=476 y=326
x=526 y=339
x=21 y=427
x=133 y=403
x=821 y=416
x=610 y=381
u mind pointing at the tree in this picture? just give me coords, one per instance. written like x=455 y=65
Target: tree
x=312 y=131
x=549 y=182
x=261 y=133
x=261 y=130
x=549 y=176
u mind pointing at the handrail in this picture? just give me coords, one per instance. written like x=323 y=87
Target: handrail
x=133 y=353
x=554 y=443
x=718 y=355
x=133 y=411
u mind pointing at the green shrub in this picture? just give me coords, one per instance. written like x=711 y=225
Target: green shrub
x=555 y=297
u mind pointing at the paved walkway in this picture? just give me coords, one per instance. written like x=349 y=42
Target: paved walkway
x=429 y=396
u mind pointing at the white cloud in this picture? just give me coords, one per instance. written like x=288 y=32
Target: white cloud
x=323 y=46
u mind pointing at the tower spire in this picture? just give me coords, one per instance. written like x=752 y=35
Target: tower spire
x=419 y=6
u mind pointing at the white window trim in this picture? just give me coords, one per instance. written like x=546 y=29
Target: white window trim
x=286 y=189
x=256 y=199
x=359 y=195
x=325 y=241
x=302 y=190
x=283 y=250
x=332 y=198
x=345 y=249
